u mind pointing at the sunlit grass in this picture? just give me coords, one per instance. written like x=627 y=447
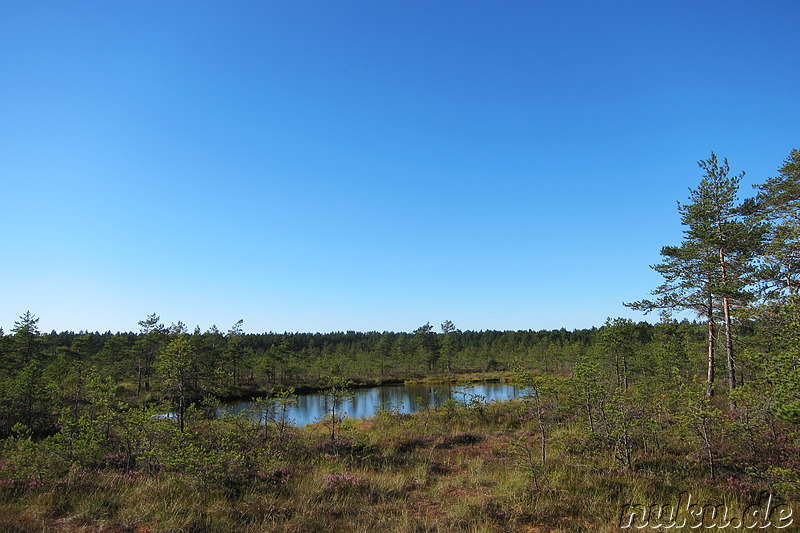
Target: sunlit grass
x=449 y=470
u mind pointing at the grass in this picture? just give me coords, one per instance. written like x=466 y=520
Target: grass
x=454 y=469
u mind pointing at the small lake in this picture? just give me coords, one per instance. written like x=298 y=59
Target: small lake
x=365 y=403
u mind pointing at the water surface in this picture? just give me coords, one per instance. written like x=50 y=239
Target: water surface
x=365 y=403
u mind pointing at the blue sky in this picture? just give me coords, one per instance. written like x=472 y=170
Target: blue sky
x=328 y=166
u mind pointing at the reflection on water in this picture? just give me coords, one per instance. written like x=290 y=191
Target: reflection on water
x=364 y=403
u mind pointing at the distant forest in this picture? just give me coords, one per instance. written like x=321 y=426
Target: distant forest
x=40 y=367
x=736 y=269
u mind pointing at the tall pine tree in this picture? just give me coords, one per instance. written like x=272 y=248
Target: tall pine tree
x=712 y=270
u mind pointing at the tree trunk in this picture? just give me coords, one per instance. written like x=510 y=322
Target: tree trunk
x=710 y=385
x=181 y=411
x=625 y=371
x=729 y=345
x=726 y=309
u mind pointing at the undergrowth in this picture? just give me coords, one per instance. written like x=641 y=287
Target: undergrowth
x=462 y=467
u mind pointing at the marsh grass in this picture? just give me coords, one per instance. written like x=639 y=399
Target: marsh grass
x=453 y=469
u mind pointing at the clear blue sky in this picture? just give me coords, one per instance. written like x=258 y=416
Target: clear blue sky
x=326 y=166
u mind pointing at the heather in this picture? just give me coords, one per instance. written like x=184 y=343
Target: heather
x=537 y=464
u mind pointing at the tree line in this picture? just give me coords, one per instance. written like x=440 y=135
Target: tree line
x=172 y=362
x=736 y=268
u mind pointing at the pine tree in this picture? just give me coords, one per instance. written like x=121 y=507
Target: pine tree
x=27 y=343
x=146 y=349
x=712 y=271
x=177 y=367
x=779 y=203
x=448 y=344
